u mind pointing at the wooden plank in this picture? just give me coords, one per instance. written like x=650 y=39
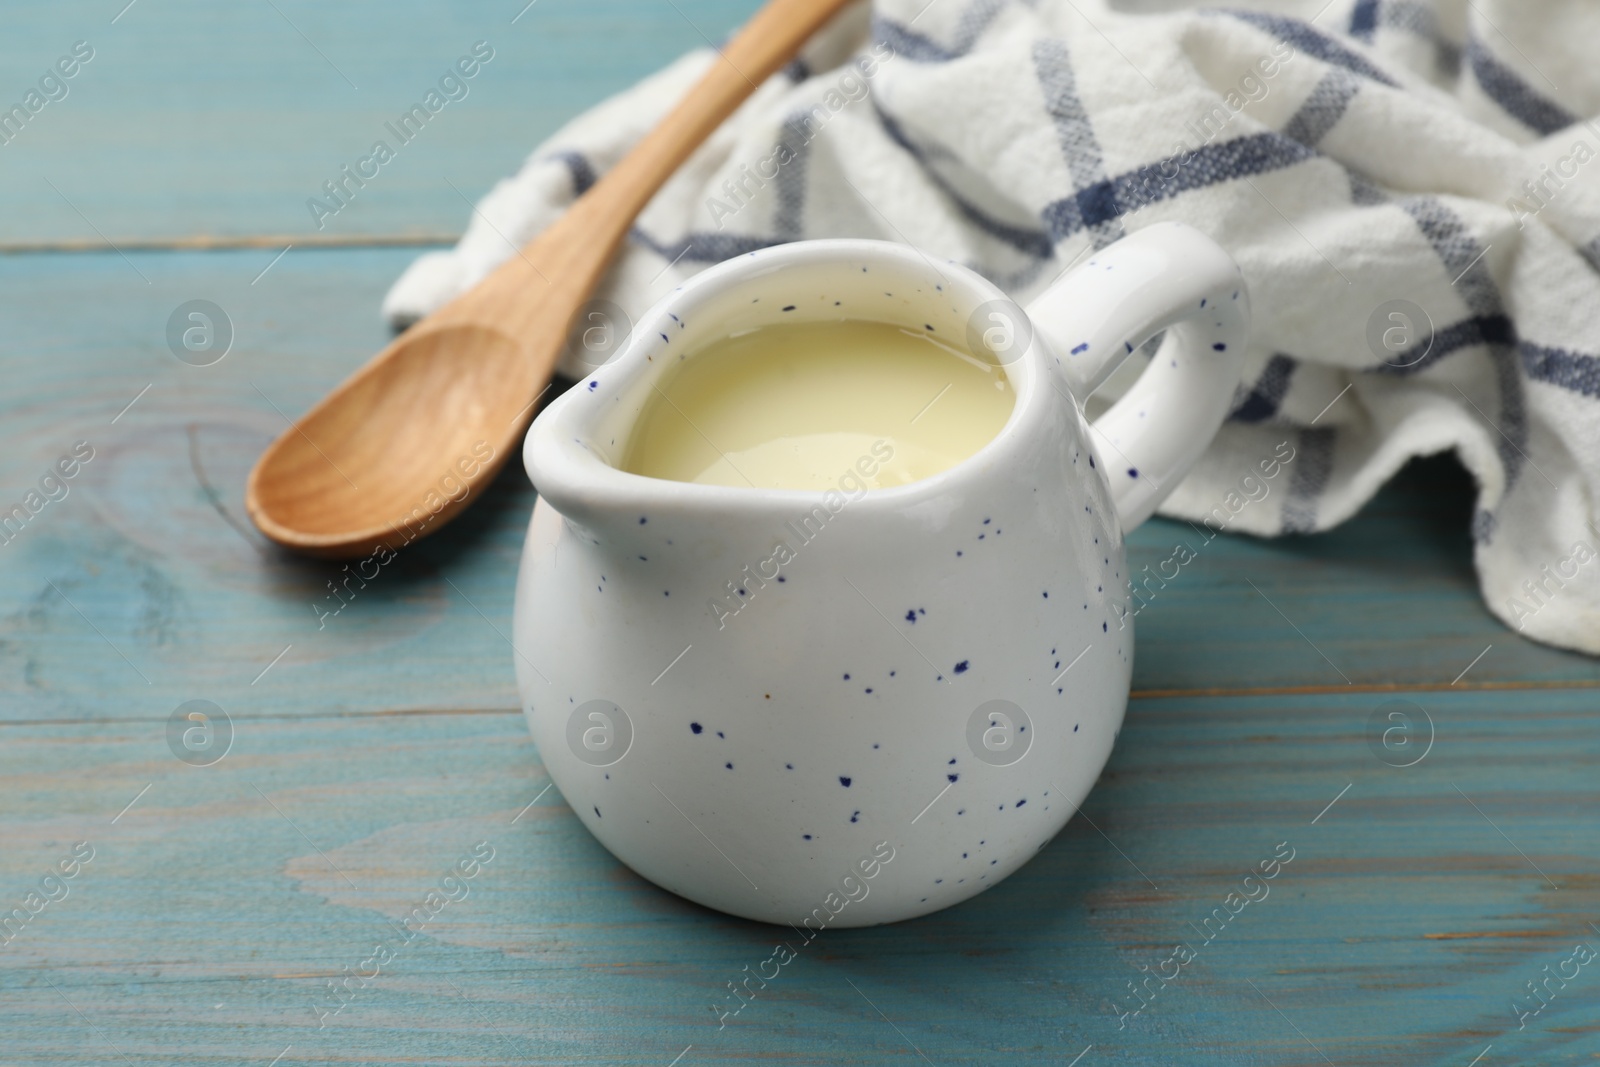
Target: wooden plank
x=219 y=905
x=1388 y=599
x=147 y=581
x=149 y=570
x=225 y=119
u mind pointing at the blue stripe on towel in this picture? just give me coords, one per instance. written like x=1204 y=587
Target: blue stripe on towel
x=920 y=48
x=1462 y=257
x=1578 y=372
x=1557 y=366
x=1094 y=200
x=1412 y=16
x=1266 y=395
x=908 y=43
x=1033 y=242
x=1514 y=95
x=1448 y=340
x=1208 y=165
x=581 y=172
x=705 y=247
x=791 y=182
x=1323 y=109
x=1364 y=19
x=1313 y=42
x=1312 y=466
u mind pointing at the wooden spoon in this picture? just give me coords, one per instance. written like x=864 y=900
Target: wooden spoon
x=410 y=439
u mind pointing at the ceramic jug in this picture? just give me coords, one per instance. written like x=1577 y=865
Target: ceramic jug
x=857 y=706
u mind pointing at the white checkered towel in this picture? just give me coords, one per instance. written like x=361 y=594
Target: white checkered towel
x=1409 y=185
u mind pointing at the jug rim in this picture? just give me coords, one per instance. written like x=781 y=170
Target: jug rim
x=576 y=480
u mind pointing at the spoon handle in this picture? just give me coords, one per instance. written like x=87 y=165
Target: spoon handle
x=760 y=48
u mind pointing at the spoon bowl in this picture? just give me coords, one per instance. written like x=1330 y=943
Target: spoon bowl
x=400 y=447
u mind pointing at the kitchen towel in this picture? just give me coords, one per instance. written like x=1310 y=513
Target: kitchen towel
x=1410 y=186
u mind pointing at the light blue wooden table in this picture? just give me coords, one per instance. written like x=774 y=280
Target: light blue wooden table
x=218 y=905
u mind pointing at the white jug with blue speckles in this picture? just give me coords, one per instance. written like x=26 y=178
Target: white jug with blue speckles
x=918 y=685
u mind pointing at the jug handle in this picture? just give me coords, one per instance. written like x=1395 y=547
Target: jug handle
x=1165 y=277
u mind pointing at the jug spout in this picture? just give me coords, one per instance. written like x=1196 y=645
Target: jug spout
x=573 y=455
x=573 y=479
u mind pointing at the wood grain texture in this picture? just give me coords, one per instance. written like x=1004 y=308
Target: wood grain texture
x=216 y=910
x=382 y=747
x=225 y=119
x=152 y=545
x=390 y=738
